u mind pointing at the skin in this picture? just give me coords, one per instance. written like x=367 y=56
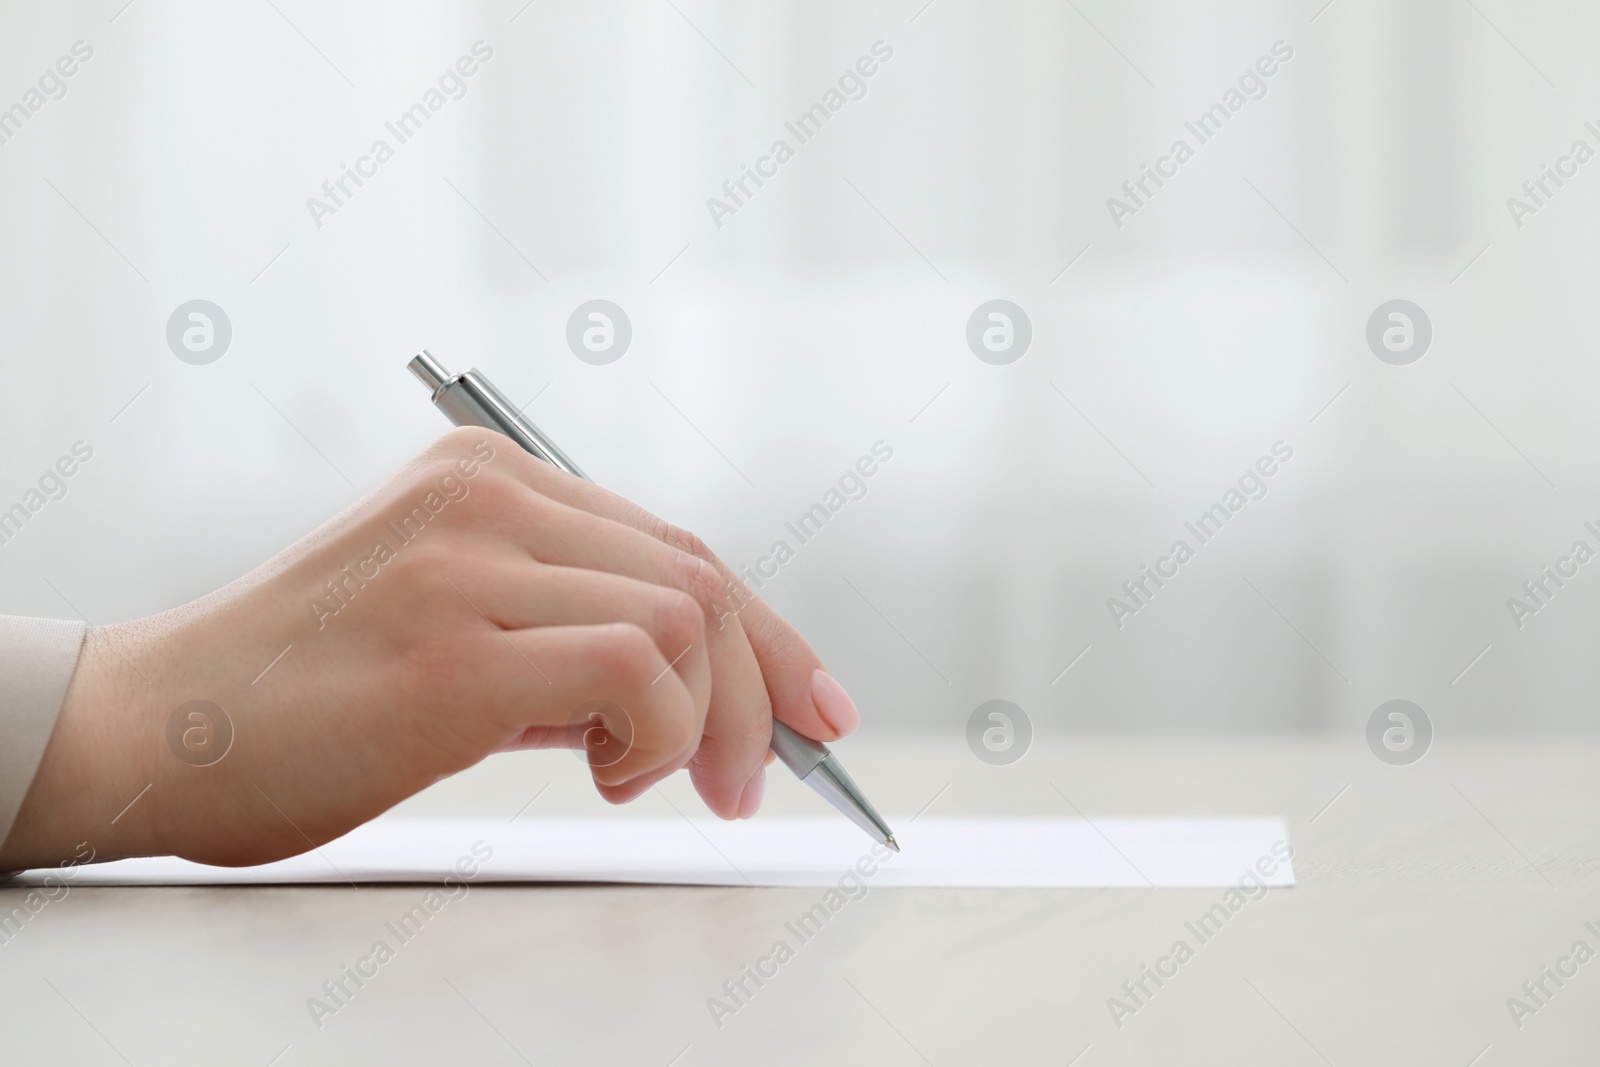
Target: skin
x=533 y=610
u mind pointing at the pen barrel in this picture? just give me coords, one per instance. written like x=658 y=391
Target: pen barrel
x=829 y=781
x=800 y=754
x=469 y=399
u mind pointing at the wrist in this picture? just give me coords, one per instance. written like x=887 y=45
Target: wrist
x=84 y=798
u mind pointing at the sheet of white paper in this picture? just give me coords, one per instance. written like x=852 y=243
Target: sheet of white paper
x=948 y=852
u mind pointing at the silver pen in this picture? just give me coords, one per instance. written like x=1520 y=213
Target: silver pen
x=469 y=399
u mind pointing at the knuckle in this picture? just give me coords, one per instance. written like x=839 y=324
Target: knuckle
x=651 y=524
x=490 y=492
x=450 y=491
x=700 y=580
x=497 y=504
x=697 y=565
x=680 y=620
x=468 y=440
x=685 y=541
x=629 y=655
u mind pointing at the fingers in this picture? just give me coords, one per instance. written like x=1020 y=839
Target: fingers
x=760 y=667
x=728 y=767
x=611 y=676
x=817 y=706
x=517 y=595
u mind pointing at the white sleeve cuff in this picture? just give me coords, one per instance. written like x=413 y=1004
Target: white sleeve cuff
x=37 y=658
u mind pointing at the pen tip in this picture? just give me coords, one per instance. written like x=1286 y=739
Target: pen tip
x=892 y=843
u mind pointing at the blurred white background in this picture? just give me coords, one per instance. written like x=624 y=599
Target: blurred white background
x=830 y=312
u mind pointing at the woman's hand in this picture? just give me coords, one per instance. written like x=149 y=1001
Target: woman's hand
x=478 y=601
